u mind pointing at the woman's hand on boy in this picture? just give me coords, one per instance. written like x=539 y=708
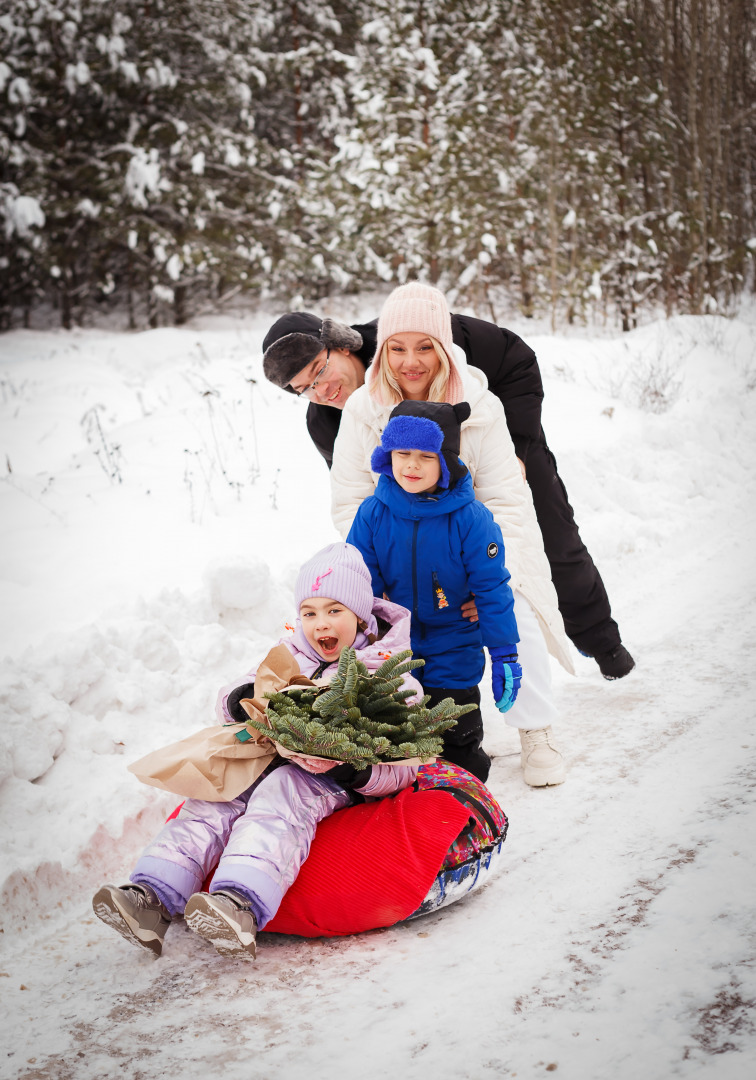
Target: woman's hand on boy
x=506 y=676
x=470 y=609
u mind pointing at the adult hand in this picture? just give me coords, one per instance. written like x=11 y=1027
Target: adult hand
x=506 y=676
x=521 y=463
x=469 y=609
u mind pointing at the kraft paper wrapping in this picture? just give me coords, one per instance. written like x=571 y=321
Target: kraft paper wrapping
x=210 y=764
x=213 y=764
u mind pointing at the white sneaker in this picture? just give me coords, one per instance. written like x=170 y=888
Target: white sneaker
x=225 y=920
x=542 y=764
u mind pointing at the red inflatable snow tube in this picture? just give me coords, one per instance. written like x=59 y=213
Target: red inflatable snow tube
x=379 y=863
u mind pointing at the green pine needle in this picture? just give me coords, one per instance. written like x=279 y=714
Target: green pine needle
x=360 y=718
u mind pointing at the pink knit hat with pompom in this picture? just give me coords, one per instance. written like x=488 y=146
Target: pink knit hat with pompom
x=421 y=309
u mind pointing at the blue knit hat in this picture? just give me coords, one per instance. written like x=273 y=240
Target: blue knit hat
x=431 y=426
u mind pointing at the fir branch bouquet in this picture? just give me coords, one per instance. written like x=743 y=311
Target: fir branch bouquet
x=360 y=718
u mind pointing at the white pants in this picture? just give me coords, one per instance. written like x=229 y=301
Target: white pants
x=534 y=707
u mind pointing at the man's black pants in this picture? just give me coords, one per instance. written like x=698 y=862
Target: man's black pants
x=582 y=597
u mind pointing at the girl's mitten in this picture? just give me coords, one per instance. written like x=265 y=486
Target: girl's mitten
x=233 y=706
x=348 y=776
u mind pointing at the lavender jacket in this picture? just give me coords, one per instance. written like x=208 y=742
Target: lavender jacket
x=384 y=779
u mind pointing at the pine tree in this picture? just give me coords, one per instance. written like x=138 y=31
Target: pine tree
x=410 y=176
x=155 y=154
x=305 y=52
x=360 y=718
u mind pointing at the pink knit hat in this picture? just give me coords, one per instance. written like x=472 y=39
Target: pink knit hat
x=338 y=572
x=418 y=308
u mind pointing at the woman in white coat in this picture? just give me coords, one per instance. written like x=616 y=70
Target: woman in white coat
x=416 y=359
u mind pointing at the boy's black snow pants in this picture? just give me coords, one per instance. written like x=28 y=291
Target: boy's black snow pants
x=462 y=743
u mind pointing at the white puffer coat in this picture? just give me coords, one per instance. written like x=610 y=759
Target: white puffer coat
x=487 y=450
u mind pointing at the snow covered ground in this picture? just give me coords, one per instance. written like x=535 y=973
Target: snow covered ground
x=157 y=497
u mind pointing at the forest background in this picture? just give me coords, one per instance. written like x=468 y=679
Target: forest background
x=583 y=159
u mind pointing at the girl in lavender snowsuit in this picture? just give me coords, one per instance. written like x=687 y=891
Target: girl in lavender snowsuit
x=260 y=839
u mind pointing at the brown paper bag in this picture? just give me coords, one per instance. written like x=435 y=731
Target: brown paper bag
x=210 y=764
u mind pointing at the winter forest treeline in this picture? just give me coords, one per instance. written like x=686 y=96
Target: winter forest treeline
x=571 y=157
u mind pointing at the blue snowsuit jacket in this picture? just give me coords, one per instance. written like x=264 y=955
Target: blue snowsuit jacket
x=430 y=553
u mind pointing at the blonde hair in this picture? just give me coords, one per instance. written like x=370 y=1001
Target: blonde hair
x=385 y=386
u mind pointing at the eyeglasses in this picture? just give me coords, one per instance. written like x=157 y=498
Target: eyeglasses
x=318 y=377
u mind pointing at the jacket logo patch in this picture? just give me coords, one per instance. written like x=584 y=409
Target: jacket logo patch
x=493 y=551
x=440 y=600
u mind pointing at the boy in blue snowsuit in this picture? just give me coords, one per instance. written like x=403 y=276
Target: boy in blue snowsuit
x=430 y=545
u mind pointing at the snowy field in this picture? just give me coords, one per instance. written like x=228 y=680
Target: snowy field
x=157 y=498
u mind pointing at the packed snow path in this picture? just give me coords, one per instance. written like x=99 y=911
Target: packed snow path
x=617 y=940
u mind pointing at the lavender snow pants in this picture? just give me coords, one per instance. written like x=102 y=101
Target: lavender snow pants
x=261 y=839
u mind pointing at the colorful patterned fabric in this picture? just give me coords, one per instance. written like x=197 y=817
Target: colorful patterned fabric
x=487 y=824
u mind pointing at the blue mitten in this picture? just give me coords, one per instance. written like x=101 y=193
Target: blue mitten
x=506 y=675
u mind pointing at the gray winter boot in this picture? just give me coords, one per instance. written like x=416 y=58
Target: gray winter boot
x=224 y=919
x=135 y=912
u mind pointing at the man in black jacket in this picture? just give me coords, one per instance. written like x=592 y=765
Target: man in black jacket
x=326 y=361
